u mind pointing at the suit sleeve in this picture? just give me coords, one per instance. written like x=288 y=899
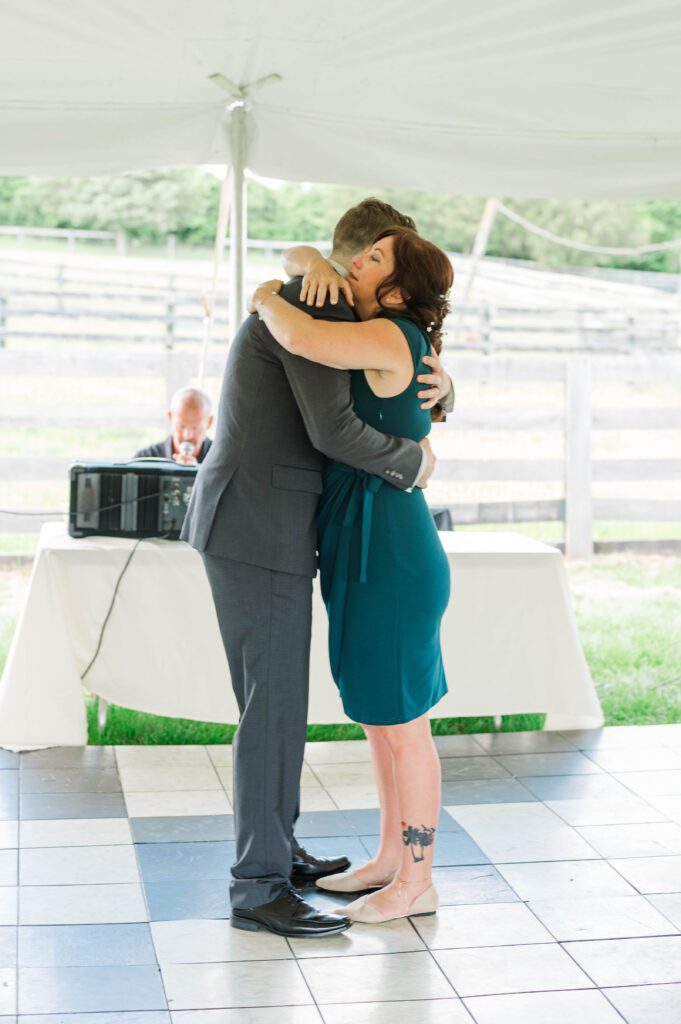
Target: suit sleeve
x=325 y=403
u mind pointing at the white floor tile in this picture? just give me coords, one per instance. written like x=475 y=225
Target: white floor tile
x=651 y=874
x=639 y=759
x=654 y=839
x=82 y=904
x=168 y=780
x=495 y=924
x=393 y=937
x=196 y=942
x=8 y=867
x=350 y=797
x=159 y=805
x=361 y=979
x=565 y=879
x=316 y=800
x=220 y=753
x=337 y=752
x=201 y=986
x=8 y=990
x=529 y=742
x=78 y=865
x=612 y=917
x=649 y=1004
x=75 y=832
x=652 y=961
x=9 y=835
x=428 y=1011
x=651 y=783
x=542 y=1007
x=247 y=1015
x=162 y=756
x=605 y=812
x=520 y=832
x=9 y=903
x=501 y=969
x=669 y=904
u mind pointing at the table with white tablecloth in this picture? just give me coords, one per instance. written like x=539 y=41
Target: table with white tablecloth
x=509 y=639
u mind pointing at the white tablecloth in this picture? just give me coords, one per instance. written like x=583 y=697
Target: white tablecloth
x=509 y=639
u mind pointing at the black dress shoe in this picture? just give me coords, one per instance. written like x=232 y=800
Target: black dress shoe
x=307 y=869
x=289 y=915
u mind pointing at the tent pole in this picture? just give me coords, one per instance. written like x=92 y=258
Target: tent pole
x=238 y=145
x=479 y=248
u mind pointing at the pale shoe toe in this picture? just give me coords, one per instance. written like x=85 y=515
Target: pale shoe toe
x=348 y=881
x=363 y=912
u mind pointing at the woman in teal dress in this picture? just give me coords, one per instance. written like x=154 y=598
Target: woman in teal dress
x=384 y=574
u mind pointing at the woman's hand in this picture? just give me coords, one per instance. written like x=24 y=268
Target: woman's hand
x=439 y=384
x=262 y=291
x=322 y=280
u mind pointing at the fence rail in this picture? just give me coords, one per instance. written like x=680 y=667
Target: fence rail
x=577 y=420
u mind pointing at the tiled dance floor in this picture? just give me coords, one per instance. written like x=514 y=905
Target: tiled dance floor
x=558 y=866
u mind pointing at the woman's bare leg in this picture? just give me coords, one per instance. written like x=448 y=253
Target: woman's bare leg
x=389 y=854
x=418 y=783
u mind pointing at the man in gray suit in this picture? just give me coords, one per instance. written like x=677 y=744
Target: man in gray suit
x=252 y=517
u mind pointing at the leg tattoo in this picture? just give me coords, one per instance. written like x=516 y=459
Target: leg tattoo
x=414 y=837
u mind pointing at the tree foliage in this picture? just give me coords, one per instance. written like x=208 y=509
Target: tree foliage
x=151 y=204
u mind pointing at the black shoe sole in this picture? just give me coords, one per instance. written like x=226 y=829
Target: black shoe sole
x=248 y=925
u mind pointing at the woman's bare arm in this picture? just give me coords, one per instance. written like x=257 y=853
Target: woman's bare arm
x=372 y=345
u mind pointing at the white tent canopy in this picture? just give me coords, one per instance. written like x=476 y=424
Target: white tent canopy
x=529 y=97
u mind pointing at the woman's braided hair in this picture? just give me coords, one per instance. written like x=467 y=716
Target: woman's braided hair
x=424 y=275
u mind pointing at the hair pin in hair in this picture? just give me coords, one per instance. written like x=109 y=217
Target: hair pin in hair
x=430 y=326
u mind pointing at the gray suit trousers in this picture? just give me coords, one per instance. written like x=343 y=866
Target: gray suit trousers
x=265 y=619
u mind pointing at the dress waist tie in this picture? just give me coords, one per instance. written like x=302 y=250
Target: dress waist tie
x=363 y=494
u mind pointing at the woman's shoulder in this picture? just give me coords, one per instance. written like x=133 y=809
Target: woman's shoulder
x=417 y=339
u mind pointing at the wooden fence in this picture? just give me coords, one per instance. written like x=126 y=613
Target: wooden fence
x=577 y=420
x=74 y=302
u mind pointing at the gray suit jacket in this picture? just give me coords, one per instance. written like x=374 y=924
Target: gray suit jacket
x=257 y=491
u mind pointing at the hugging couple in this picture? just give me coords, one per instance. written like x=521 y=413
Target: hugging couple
x=320 y=459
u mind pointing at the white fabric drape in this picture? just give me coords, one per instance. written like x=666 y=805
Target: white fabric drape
x=538 y=97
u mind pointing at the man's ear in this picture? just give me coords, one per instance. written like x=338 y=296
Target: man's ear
x=169 y=414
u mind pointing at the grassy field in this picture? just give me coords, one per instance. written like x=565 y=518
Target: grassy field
x=628 y=610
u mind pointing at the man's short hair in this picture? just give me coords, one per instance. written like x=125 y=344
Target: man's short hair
x=195 y=396
x=357 y=228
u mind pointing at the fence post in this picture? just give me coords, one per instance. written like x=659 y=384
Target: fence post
x=578 y=497
x=3 y=315
x=171 y=246
x=170 y=313
x=179 y=367
x=121 y=243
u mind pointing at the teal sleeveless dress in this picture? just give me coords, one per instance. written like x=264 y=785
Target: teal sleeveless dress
x=383 y=571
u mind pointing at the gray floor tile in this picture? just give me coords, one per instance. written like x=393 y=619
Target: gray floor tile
x=36 y=806
x=177 y=901
x=367 y=822
x=313 y=824
x=462 y=745
x=8 y=946
x=574 y=787
x=352 y=847
x=103 y=945
x=170 y=862
x=481 y=884
x=69 y=757
x=8 y=759
x=70 y=780
x=90 y=989
x=9 y=782
x=450 y=848
x=197 y=828
x=647 y=1004
x=485 y=791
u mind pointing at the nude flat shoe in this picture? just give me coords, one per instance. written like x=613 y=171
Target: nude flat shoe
x=348 y=881
x=363 y=912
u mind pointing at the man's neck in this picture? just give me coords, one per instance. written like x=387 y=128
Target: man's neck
x=342 y=259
